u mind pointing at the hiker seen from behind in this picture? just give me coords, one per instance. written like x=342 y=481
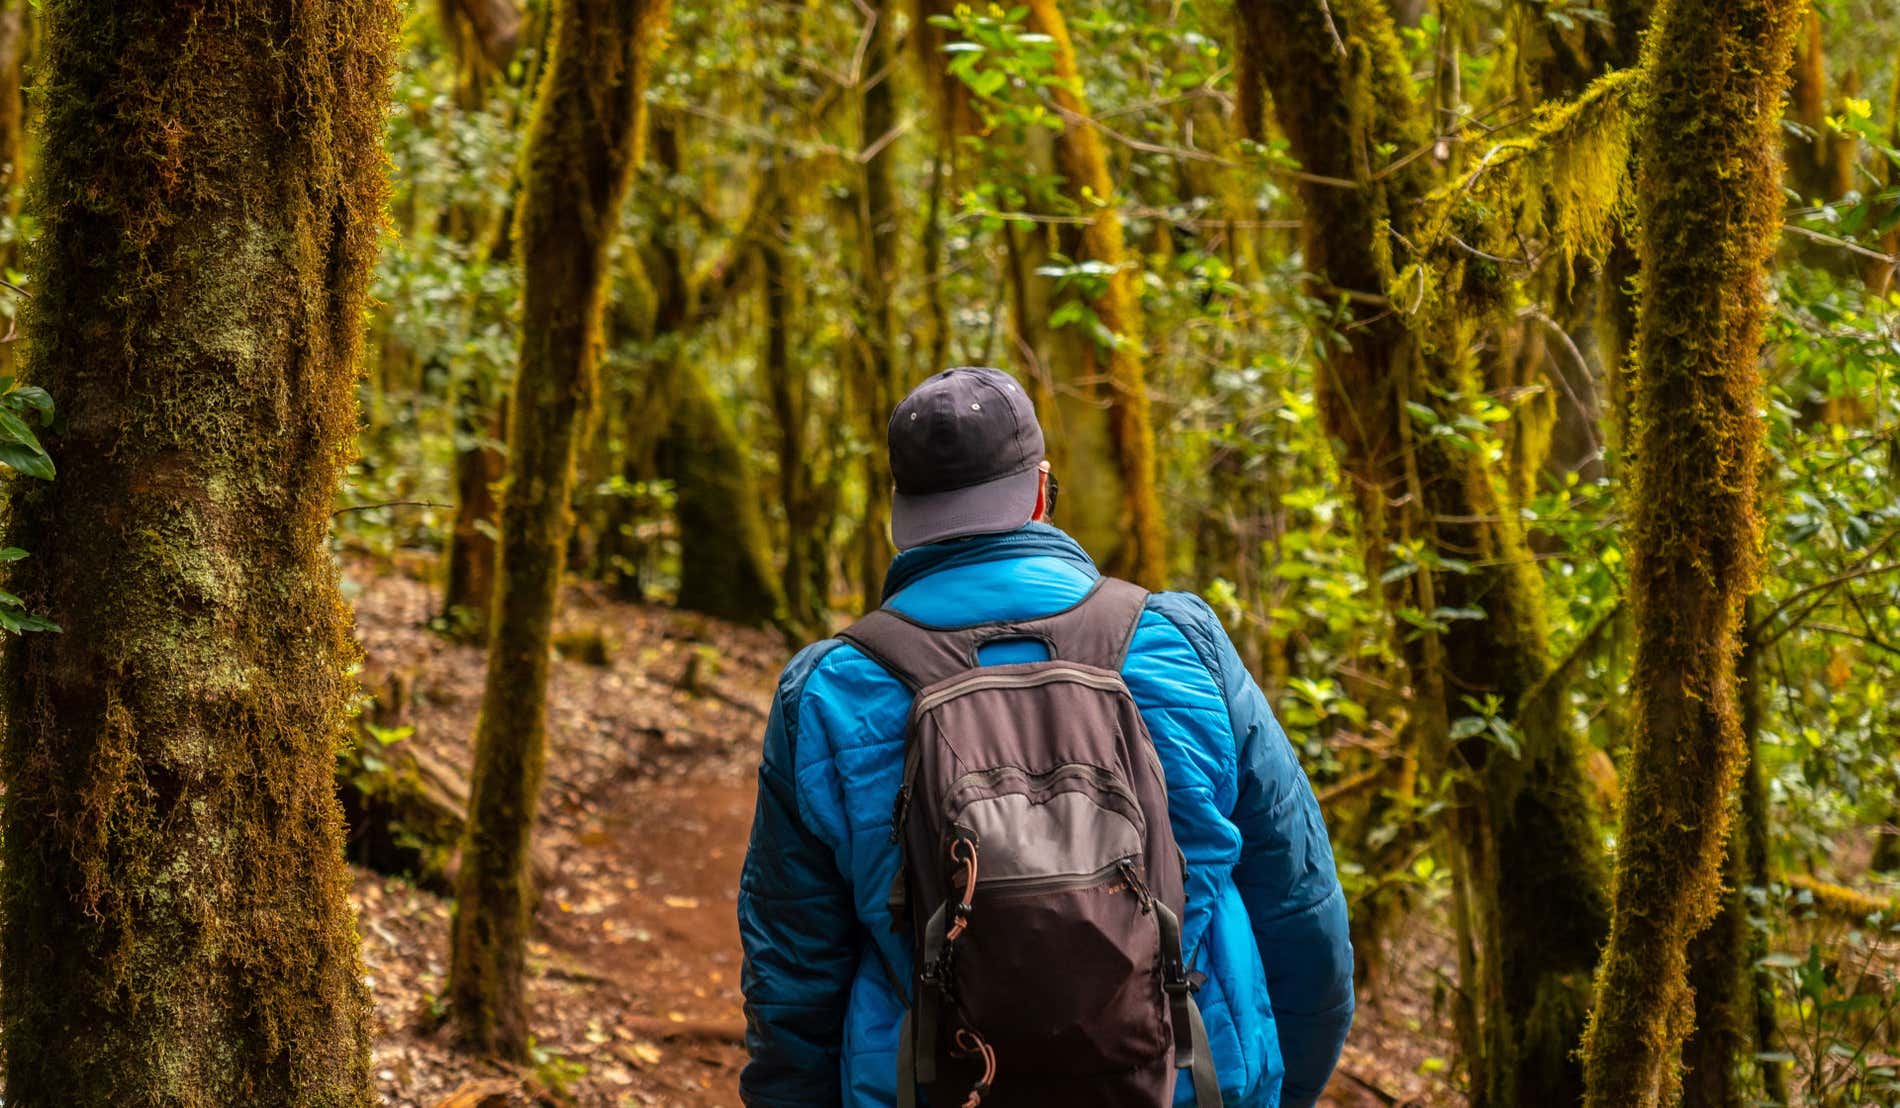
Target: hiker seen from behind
x=1027 y=834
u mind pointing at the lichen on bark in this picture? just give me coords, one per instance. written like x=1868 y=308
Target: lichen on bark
x=177 y=925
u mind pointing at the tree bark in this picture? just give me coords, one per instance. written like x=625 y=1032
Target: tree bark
x=1718 y=70
x=583 y=143
x=1111 y=378
x=1734 y=1005
x=177 y=923
x=879 y=382
x=479 y=467
x=1527 y=859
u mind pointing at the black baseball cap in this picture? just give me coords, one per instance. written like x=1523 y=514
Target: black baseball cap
x=965 y=454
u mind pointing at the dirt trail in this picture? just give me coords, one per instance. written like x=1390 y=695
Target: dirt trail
x=646 y=811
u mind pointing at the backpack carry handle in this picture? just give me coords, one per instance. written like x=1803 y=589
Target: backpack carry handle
x=1095 y=631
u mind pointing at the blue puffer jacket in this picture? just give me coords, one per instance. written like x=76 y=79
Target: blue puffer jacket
x=1266 y=919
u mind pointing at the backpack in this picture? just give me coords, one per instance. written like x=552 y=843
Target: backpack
x=1038 y=873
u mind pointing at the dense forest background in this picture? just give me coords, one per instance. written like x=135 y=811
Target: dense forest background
x=1518 y=379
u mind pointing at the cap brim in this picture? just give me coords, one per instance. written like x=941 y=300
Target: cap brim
x=919 y=519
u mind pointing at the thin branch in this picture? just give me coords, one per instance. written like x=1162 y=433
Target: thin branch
x=1332 y=29
x=1844 y=244
x=1822 y=587
x=1583 y=368
x=389 y=504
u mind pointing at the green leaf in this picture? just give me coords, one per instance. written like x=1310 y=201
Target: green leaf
x=36 y=398
x=1466 y=727
x=11 y=554
x=15 y=428
x=986 y=83
x=33 y=463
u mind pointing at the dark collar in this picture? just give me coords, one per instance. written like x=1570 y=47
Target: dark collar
x=1028 y=541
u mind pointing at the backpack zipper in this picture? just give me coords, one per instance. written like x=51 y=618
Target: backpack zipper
x=1096 y=775
x=1060 y=882
x=979 y=680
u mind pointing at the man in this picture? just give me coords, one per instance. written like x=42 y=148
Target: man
x=1265 y=919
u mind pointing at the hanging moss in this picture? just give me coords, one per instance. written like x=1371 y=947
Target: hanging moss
x=583 y=143
x=1718 y=69
x=1563 y=189
x=1529 y=871
x=177 y=927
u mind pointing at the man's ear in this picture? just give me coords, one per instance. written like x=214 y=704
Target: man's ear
x=1041 y=514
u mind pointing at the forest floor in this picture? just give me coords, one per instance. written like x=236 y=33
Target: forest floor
x=647 y=805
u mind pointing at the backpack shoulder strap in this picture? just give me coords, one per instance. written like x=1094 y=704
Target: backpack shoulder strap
x=915 y=654
x=1094 y=631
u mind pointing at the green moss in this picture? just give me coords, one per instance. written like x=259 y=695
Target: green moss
x=1717 y=74
x=725 y=550
x=1528 y=865
x=177 y=929
x=583 y=143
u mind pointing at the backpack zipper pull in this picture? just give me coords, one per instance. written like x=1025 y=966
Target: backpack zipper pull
x=1135 y=885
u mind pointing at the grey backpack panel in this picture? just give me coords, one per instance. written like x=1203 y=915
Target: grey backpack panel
x=1040 y=878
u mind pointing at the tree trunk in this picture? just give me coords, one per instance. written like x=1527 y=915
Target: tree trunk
x=582 y=145
x=1734 y=1006
x=1718 y=71
x=878 y=384
x=479 y=466
x=177 y=924
x=806 y=551
x=725 y=550
x=1110 y=370
x=1527 y=859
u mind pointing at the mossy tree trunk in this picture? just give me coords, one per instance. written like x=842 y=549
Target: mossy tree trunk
x=726 y=565
x=671 y=419
x=583 y=143
x=725 y=547
x=177 y=924
x=1718 y=70
x=1527 y=859
x=1734 y=1005
x=878 y=377
x=1110 y=374
x=806 y=577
